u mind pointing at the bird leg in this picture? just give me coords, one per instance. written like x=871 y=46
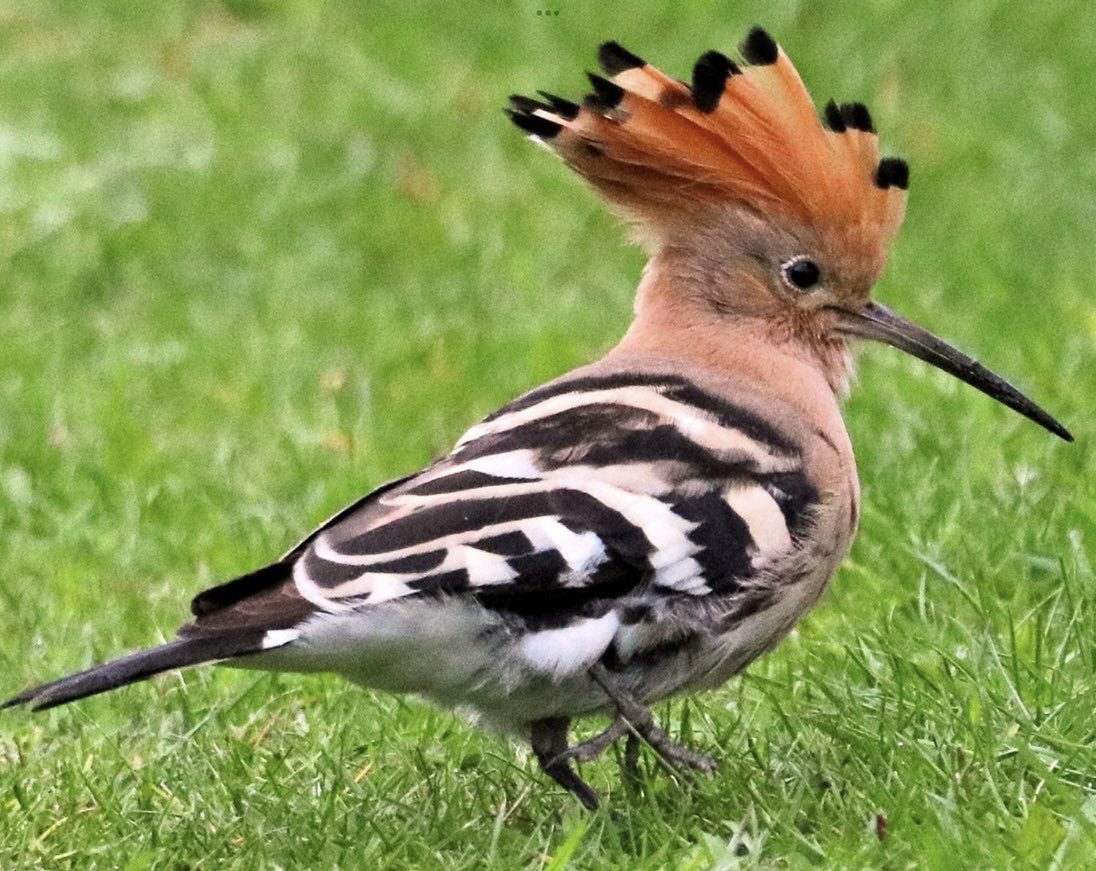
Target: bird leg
x=637 y=719
x=633 y=721
x=630 y=766
x=549 y=740
x=592 y=748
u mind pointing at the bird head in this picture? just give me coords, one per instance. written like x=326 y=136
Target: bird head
x=754 y=208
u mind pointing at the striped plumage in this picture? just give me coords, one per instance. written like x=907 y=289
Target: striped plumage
x=612 y=515
x=651 y=523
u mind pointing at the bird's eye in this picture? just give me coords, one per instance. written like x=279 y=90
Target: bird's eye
x=800 y=273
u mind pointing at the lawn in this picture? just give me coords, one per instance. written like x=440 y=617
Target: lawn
x=258 y=257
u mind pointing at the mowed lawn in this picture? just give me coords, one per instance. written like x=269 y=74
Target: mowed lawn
x=258 y=257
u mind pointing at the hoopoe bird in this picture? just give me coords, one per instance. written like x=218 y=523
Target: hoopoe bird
x=649 y=524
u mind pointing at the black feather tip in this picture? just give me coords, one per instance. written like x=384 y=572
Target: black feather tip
x=566 y=110
x=857 y=117
x=615 y=58
x=606 y=95
x=759 y=48
x=532 y=124
x=893 y=172
x=526 y=104
x=710 y=74
x=833 y=118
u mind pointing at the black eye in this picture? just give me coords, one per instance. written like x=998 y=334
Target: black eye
x=800 y=273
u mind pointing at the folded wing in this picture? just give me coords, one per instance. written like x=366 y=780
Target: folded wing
x=570 y=498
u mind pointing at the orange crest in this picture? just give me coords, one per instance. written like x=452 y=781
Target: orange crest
x=747 y=135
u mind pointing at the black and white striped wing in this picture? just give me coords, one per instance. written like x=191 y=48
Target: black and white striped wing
x=570 y=498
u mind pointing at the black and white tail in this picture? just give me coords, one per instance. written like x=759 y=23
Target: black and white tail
x=137 y=667
x=233 y=620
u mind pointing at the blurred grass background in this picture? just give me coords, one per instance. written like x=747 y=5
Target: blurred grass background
x=259 y=256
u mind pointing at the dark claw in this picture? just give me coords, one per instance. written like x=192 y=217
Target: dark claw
x=564 y=775
x=549 y=740
x=633 y=720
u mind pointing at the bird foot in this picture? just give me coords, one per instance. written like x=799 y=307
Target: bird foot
x=633 y=722
x=591 y=749
x=638 y=721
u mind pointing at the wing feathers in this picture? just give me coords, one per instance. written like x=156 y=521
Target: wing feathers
x=581 y=485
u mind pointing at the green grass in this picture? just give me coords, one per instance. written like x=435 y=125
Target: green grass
x=258 y=257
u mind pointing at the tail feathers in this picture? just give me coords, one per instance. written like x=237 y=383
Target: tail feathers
x=137 y=667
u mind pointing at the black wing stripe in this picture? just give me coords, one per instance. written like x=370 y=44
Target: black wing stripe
x=554 y=438
x=506 y=544
x=579 y=385
x=468 y=479
x=329 y=573
x=569 y=430
x=455 y=581
x=542 y=570
x=673 y=387
x=548 y=606
x=661 y=443
x=468 y=517
x=732 y=416
x=457 y=517
x=724 y=540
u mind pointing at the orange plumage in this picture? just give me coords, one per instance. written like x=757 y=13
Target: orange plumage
x=748 y=135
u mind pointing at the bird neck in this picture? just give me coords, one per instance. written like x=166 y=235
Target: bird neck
x=676 y=321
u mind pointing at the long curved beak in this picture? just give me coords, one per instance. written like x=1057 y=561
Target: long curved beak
x=879 y=323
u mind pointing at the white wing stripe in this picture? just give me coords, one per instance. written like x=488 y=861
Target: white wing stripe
x=692 y=422
x=483 y=568
x=762 y=517
x=382 y=587
x=279 y=637
x=685 y=576
x=582 y=551
x=325 y=551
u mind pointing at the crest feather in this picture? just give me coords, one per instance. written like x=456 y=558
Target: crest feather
x=747 y=134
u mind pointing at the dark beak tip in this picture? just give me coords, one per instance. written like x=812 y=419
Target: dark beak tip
x=875 y=321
